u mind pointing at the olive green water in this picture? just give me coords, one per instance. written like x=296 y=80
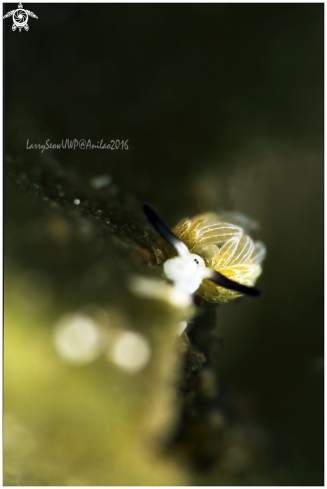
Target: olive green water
x=222 y=107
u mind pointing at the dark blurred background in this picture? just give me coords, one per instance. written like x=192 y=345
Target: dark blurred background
x=222 y=106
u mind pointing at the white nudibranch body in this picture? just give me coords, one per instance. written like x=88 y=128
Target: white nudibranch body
x=187 y=272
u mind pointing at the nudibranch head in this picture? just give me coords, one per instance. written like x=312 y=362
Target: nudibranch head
x=187 y=271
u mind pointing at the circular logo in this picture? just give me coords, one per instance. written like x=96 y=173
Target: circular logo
x=20 y=17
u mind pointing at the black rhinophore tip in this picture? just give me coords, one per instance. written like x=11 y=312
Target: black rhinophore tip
x=219 y=279
x=164 y=231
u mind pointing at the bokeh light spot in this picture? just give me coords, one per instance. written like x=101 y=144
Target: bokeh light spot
x=77 y=338
x=131 y=352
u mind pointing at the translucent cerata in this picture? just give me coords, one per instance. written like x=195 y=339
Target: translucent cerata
x=222 y=241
